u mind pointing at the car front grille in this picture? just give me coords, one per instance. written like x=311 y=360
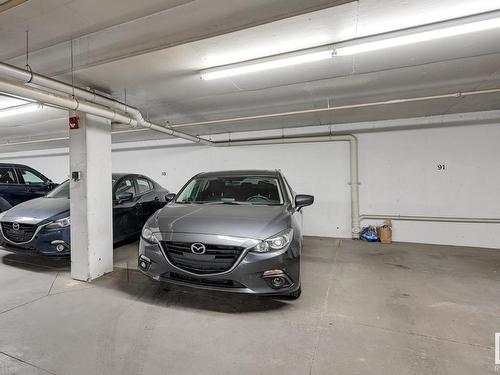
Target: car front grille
x=217 y=258
x=24 y=233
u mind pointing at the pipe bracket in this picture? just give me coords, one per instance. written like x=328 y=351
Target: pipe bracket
x=77 y=103
x=28 y=68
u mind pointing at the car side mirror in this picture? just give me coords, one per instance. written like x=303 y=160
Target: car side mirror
x=124 y=197
x=303 y=200
x=170 y=197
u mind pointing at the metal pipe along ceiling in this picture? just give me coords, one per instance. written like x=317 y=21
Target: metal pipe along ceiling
x=37 y=79
x=92 y=108
x=9 y=4
x=129 y=116
x=341 y=107
x=31 y=78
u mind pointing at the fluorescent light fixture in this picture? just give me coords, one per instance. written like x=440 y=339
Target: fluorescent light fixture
x=419 y=37
x=312 y=55
x=264 y=64
x=19 y=109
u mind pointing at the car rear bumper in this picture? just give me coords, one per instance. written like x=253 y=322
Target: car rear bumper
x=246 y=275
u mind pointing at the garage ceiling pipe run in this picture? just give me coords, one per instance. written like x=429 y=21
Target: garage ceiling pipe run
x=458 y=94
x=95 y=109
x=9 y=4
x=128 y=116
x=30 y=78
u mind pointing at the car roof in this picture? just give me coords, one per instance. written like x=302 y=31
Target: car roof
x=243 y=172
x=117 y=176
x=14 y=165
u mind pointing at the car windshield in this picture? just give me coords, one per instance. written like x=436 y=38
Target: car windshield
x=62 y=191
x=256 y=190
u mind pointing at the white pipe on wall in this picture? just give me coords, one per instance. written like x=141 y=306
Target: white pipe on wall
x=354 y=169
x=443 y=219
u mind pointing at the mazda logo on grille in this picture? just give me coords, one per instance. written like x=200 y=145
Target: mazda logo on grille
x=15 y=226
x=198 y=248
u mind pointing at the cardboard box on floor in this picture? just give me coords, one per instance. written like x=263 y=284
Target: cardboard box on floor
x=385 y=232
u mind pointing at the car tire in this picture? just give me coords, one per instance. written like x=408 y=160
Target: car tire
x=294 y=295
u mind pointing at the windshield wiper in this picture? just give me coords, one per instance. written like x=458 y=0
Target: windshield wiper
x=232 y=202
x=236 y=203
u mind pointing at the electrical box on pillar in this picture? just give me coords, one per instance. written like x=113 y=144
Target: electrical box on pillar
x=75 y=176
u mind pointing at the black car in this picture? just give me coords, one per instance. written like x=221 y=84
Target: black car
x=42 y=226
x=19 y=183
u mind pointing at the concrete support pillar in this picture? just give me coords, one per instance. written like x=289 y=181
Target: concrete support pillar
x=91 y=198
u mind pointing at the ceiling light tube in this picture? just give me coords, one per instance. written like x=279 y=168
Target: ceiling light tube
x=419 y=37
x=19 y=109
x=265 y=64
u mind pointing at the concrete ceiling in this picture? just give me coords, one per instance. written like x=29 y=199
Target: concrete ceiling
x=155 y=49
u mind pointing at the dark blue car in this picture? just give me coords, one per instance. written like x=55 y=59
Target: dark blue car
x=19 y=183
x=42 y=226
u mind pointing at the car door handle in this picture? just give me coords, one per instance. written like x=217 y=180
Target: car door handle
x=157 y=199
x=138 y=206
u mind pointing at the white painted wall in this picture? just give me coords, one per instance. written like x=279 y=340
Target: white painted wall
x=398 y=173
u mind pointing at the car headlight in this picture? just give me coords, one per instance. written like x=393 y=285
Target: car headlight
x=148 y=235
x=58 y=224
x=276 y=242
x=2 y=214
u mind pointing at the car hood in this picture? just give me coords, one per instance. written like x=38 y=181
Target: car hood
x=37 y=210
x=247 y=221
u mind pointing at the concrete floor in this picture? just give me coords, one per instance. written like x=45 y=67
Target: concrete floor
x=365 y=309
